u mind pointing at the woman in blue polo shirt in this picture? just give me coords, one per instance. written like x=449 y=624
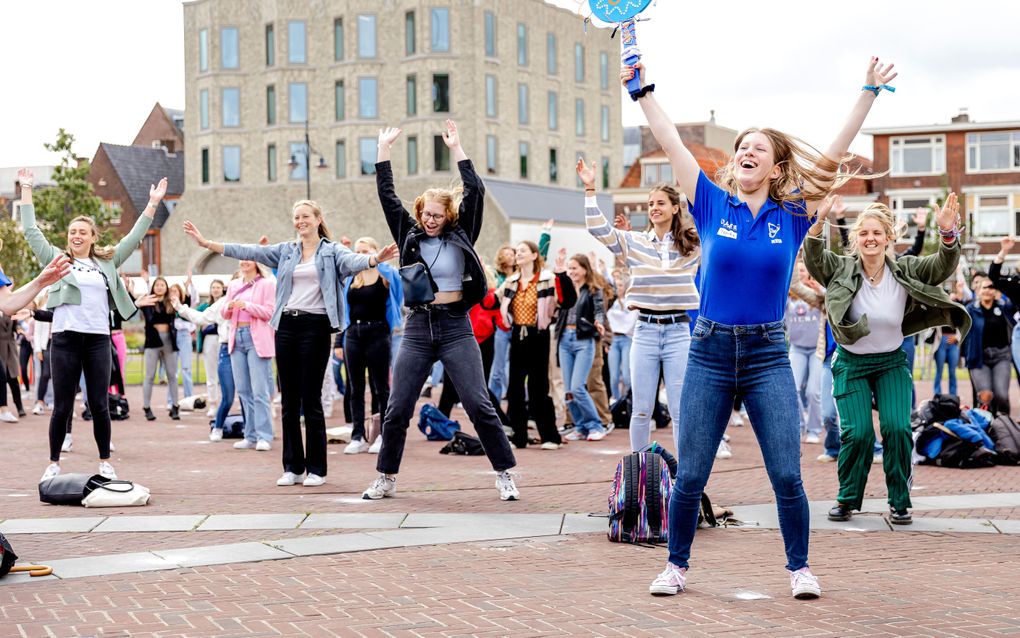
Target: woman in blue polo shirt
x=751 y=229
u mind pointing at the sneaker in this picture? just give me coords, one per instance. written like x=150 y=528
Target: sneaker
x=106 y=470
x=149 y=416
x=211 y=412
x=263 y=446
x=216 y=434
x=357 y=446
x=8 y=417
x=288 y=478
x=51 y=470
x=381 y=487
x=38 y=409
x=505 y=484
x=549 y=445
x=507 y=430
x=724 y=451
x=670 y=582
x=376 y=446
x=900 y=517
x=313 y=480
x=840 y=512
x=736 y=420
x=804 y=584
x=244 y=444
x=812 y=438
x=86 y=413
x=68 y=442
x=825 y=457
x=574 y=435
x=596 y=436
x=21 y=412
x=610 y=427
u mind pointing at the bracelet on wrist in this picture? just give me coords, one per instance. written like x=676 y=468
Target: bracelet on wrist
x=645 y=90
x=876 y=89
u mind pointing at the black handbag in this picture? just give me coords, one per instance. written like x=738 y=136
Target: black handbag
x=7 y=556
x=419 y=288
x=64 y=489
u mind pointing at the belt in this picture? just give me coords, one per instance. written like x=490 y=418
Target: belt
x=456 y=306
x=296 y=313
x=680 y=317
x=363 y=322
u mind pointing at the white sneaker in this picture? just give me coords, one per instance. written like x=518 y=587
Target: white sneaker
x=8 y=417
x=505 y=484
x=574 y=435
x=549 y=445
x=670 y=582
x=376 y=446
x=263 y=446
x=736 y=420
x=51 y=470
x=106 y=470
x=357 y=446
x=724 y=451
x=288 y=478
x=211 y=412
x=68 y=443
x=216 y=434
x=244 y=444
x=38 y=409
x=381 y=487
x=825 y=458
x=812 y=438
x=804 y=584
x=596 y=436
x=877 y=459
x=313 y=480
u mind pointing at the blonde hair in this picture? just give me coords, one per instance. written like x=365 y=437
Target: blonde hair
x=503 y=264
x=881 y=214
x=359 y=281
x=448 y=197
x=99 y=252
x=317 y=211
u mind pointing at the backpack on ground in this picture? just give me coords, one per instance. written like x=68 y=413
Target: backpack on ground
x=1006 y=434
x=118 y=404
x=464 y=445
x=964 y=455
x=435 y=425
x=233 y=426
x=622 y=408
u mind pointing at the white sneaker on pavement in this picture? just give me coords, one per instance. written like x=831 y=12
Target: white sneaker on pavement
x=549 y=445
x=313 y=480
x=670 y=582
x=824 y=457
x=574 y=435
x=8 y=417
x=216 y=434
x=736 y=420
x=357 y=446
x=68 y=443
x=113 y=448
x=244 y=444
x=263 y=446
x=288 y=478
x=376 y=446
x=106 y=470
x=724 y=451
x=51 y=470
x=507 y=489
x=38 y=409
x=812 y=438
x=381 y=487
x=804 y=584
x=211 y=412
x=596 y=436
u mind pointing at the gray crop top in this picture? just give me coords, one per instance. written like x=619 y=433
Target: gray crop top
x=446 y=262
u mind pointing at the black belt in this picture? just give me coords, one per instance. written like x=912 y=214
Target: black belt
x=456 y=306
x=679 y=317
x=299 y=313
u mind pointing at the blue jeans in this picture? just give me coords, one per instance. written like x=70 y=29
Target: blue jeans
x=576 y=357
x=750 y=362
x=655 y=346
x=619 y=366
x=1015 y=346
x=500 y=364
x=949 y=354
x=252 y=378
x=184 y=356
x=830 y=418
x=807 y=371
x=226 y=377
x=437 y=374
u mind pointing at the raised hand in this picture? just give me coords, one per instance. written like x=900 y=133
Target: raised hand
x=192 y=230
x=1007 y=244
x=157 y=192
x=948 y=218
x=387 y=253
x=26 y=178
x=389 y=135
x=921 y=217
x=146 y=300
x=825 y=208
x=561 y=260
x=622 y=222
x=879 y=74
x=627 y=73
x=450 y=136
x=546 y=227
x=55 y=270
x=586 y=172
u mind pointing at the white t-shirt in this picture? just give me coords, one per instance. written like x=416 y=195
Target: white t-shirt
x=92 y=315
x=305 y=293
x=884 y=304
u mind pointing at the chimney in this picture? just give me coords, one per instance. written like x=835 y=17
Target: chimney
x=711 y=117
x=963 y=117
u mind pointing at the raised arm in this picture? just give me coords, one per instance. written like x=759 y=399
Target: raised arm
x=597 y=224
x=935 y=269
x=127 y=245
x=268 y=255
x=349 y=263
x=44 y=250
x=472 y=202
x=397 y=217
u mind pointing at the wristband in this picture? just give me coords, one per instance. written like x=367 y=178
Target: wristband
x=644 y=91
x=952 y=233
x=877 y=89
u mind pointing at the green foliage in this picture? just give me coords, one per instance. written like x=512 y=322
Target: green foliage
x=16 y=257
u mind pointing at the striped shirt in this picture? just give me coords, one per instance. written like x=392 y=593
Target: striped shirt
x=660 y=277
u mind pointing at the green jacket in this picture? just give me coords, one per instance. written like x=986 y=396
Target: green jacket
x=66 y=290
x=928 y=305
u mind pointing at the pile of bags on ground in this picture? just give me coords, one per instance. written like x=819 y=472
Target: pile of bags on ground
x=948 y=436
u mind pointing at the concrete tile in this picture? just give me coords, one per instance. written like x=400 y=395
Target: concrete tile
x=536 y=523
x=582 y=524
x=948 y=525
x=966 y=501
x=50 y=525
x=856 y=524
x=366 y=520
x=415 y=537
x=763 y=516
x=221 y=554
x=184 y=523
x=334 y=544
x=24 y=579
x=1007 y=527
x=109 y=564
x=226 y=522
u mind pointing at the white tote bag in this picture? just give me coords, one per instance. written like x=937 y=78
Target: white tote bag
x=116 y=494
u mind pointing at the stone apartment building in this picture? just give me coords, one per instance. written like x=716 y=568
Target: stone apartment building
x=529 y=89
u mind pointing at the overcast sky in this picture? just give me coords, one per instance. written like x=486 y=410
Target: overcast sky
x=97 y=67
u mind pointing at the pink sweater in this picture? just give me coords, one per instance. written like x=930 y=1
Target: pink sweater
x=261 y=309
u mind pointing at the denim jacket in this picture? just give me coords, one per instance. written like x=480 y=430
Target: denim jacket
x=334 y=262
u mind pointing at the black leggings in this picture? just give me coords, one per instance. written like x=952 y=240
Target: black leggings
x=44 y=376
x=10 y=381
x=26 y=364
x=71 y=353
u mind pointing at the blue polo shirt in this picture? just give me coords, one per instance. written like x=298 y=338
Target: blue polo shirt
x=4 y=281
x=746 y=261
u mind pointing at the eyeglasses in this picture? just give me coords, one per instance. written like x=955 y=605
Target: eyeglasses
x=426 y=215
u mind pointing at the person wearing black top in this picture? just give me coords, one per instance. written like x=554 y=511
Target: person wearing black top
x=987 y=346
x=160 y=345
x=1010 y=286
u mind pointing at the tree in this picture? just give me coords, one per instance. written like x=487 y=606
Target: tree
x=16 y=257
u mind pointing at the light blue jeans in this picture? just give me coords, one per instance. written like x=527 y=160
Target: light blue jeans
x=619 y=366
x=949 y=354
x=184 y=356
x=253 y=379
x=807 y=372
x=656 y=346
x=1015 y=346
x=576 y=357
x=500 y=364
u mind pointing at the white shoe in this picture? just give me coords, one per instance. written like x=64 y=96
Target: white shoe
x=376 y=446
x=38 y=409
x=574 y=435
x=68 y=443
x=51 y=470
x=670 y=582
x=327 y=411
x=804 y=584
x=825 y=458
x=313 y=480
x=211 y=412
x=724 y=451
x=288 y=478
x=357 y=446
x=812 y=438
x=8 y=417
x=549 y=445
x=736 y=420
x=505 y=484
x=106 y=470
x=596 y=436
x=877 y=459
x=244 y=444
x=381 y=487
x=263 y=446
x=216 y=434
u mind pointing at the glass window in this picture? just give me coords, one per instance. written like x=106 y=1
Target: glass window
x=412 y=95
x=554 y=171
x=271 y=104
x=368 y=98
x=297 y=97
x=440 y=29
x=491 y=109
x=992 y=216
x=203 y=109
x=338 y=39
x=231 y=163
x=579 y=117
x=205 y=165
x=367 y=154
x=993 y=151
x=298 y=160
x=203 y=54
x=412 y=155
x=522 y=103
x=522 y=44
x=604 y=124
x=491 y=157
x=228 y=48
x=270 y=45
x=231 y=106
x=339 y=101
x=296 y=49
x=410 y=45
x=366 y=36
x=490 y=34
x=554 y=111
x=440 y=153
x=441 y=93
x=917 y=155
x=551 y=63
x=522 y=153
x=605 y=172
x=271 y=163
x=341 y=158
x=603 y=70
x=578 y=62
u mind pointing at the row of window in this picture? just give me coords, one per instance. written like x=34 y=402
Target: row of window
x=367 y=43
x=926 y=155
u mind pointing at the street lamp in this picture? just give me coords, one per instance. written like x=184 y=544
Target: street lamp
x=308 y=150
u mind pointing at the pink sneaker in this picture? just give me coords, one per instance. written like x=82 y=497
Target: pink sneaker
x=804 y=584
x=670 y=582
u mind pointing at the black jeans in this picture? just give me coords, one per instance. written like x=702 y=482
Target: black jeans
x=302 y=352
x=367 y=347
x=26 y=364
x=71 y=353
x=441 y=334
x=10 y=380
x=449 y=397
x=529 y=363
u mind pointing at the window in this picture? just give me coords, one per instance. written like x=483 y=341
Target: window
x=341 y=159
x=338 y=40
x=412 y=95
x=905 y=206
x=299 y=155
x=579 y=117
x=551 y=63
x=490 y=34
x=409 y=36
x=554 y=172
x=440 y=154
x=203 y=54
x=231 y=98
x=339 y=101
x=993 y=216
x=297 y=97
x=522 y=44
x=271 y=163
x=203 y=109
x=605 y=172
x=440 y=93
x=603 y=70
x=231 y=163
x=604 y=124
x=522 y=103
x=440 y=29
x=522 y=154
x=205 y=165
x=491 y=156
x=366 y=36
x=271 y=104
x=412 y=155
x=653 y=173
x=228 y=48
x=367 y=154
x=270 y=45
x=554 y=111
x=993 y=151
x=578 y=62
x=917 y=155
x=296 y=49
x=368 y=98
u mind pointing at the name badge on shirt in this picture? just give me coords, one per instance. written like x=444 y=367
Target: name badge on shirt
x=727 y=229
x=997 y=312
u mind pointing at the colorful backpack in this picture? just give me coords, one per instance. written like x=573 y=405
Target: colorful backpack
x=639 y=501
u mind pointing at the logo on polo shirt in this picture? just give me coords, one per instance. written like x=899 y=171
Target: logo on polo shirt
x=773 y=231
x=727 y=229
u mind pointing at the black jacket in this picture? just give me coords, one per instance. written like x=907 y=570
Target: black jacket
x=1009 y=286
x=408 y=234
x=153 y=316
x=589 y=306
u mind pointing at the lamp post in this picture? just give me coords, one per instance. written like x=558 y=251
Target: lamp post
x=308 y=150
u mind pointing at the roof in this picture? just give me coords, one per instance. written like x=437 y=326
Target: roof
x=943 y=128
x=523 y=201
x=709 y=159
x=138 y=167
x=176 y=116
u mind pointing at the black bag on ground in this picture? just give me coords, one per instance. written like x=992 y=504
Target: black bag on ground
x=7 y=556
x=945 y=407
x=118 y=406
x=964 y=455
x=64 y=489
x=621 y=412
x=233 y=426
x=1006 y=434
x=464 y=445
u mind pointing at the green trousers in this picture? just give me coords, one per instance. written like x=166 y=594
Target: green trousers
x=855 y=379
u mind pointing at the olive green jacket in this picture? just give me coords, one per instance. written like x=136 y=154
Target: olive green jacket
x=66 y=290
x=928 y=305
